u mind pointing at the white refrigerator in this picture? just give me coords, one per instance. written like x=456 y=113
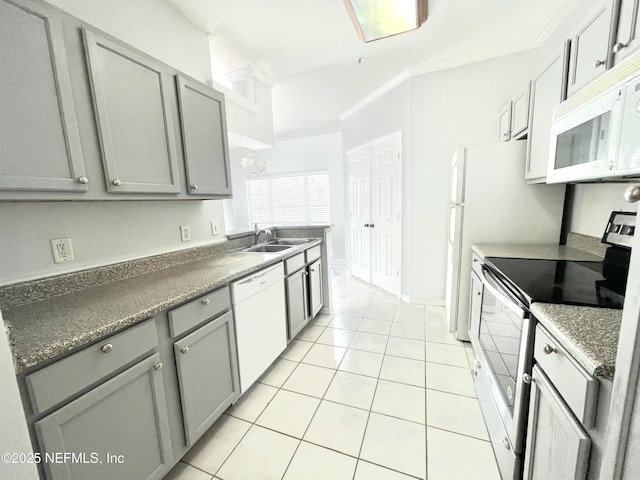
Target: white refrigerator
x=490 y=202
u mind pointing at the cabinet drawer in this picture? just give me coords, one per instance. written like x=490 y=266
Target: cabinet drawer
x=312 y=254
x=197 y=311
x=55 y=383
x=578 y=389
x=294 y=263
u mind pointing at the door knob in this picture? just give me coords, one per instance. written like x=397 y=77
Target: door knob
x=371 y=226
x=366 y=225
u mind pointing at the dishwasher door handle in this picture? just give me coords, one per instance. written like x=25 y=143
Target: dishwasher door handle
x=252 y=278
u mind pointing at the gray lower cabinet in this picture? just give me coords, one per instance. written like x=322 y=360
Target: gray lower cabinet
x=39 y=138
x=207 y=367
x=134 y=118
x=118 y=430
x=557 y=445
x=548 y=90
x=204 y=137
x=296 y=291
x=315 y=288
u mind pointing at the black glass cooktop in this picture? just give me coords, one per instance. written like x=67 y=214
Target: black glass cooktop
x=561 y=281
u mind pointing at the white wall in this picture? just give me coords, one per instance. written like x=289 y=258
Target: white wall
x=437 y=112
x=451 y=107
x=592 y=205
x=296 y=155
x=153 y=26
x=100 y=232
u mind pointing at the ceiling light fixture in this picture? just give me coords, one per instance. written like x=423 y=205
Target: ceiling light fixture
x=376 y=19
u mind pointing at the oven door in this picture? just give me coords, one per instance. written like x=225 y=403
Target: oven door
x=502 y=342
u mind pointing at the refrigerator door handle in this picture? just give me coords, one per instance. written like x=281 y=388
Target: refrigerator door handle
x=452 y=222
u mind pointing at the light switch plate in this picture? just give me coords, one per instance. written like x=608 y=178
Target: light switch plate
x=185 y=233
x=214 y=228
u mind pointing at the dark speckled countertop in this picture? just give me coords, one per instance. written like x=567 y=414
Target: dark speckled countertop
x=42 y=330
x=589 y=334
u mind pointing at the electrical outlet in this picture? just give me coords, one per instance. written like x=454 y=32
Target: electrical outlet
x=214 y=228
x=62 y=250
x=185 y=233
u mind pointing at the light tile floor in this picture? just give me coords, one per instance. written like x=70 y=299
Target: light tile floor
x=378 y=391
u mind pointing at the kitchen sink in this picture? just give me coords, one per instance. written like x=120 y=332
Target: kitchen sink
x=289 y=241
x=267 y=248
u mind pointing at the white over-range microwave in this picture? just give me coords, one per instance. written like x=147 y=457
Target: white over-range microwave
x=595 y=134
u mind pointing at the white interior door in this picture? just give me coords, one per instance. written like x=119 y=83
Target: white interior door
x=359 y=204
x=375 y=202
x=385 y=225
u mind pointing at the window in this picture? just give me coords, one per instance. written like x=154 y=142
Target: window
x=289 y=199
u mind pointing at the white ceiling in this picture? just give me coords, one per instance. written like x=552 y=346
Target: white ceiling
x=310 y=48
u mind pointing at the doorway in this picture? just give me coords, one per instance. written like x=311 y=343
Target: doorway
x=375 y=212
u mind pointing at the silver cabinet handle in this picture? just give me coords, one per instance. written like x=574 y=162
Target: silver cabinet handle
x=106 y=348
x=184 y=350
x=632 y=194
x=83 y=180
x=619 y=47
x=117 y=182
x=194 y=187
x=312 y=269
x=526 y=378
x=505 y=443
x=548 y=349
x=205 y=301
x=158 y=366
x=598 y=63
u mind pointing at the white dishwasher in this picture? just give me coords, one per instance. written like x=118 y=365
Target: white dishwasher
x=261 y=325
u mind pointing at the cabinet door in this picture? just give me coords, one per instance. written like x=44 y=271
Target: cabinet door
x=134 y=118
x=547 y=92
x=315 y=288
x=204 y=135
x=39 y=136
x=627 y=37
x=557 y=445
x=208 y=374
x=125 y=416
x=504 y=123
x=520 y=111
x=589 y=49
x=296 y=288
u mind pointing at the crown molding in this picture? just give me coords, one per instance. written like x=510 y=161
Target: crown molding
x=394 y=82
x=250 y=71
x=555 y=21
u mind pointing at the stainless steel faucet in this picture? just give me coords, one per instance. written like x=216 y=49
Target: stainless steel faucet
x=260 y=231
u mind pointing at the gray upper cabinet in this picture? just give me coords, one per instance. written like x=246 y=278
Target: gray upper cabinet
x=548 y=90
x=590 y=48
x=627 y=35
x=134 y=118
x=204 y=136
x=504 y=123
x=557 y=445
x=207 y=364
x=520 y=111
x=39 y=137
x=126 y=416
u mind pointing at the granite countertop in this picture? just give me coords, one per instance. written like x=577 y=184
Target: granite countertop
x=589 y=334
x=540 y=251
x=44 y=329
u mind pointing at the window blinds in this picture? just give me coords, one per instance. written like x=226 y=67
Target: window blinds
x=289 y=199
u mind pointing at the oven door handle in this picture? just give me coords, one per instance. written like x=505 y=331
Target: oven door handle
x=490 y=283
